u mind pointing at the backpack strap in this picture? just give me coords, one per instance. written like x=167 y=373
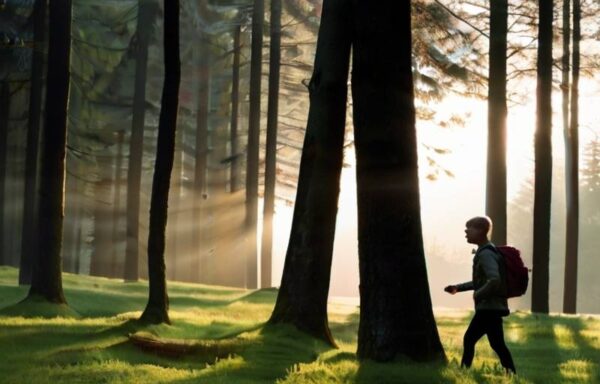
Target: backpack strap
x=489 y=246
x=501 y=262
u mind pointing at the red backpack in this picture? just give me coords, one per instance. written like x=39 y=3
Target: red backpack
x=517 y=274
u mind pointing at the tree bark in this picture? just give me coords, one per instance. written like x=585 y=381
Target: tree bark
x=102 y=252
x=235 y=91
x=572 y=174
x=28 y=239
x=73 y=217
x=156 y=311
x=4 y=117
x=271 y=152
x=146 y=11
x=116 y=219
x=253 y=144
x=175 y=210
x=396 y=317
x=74 y=196
x=496 y=155
x=543 y=163
x=199 y=263
x=302 y=298
x=46 y=274
x=565 y=72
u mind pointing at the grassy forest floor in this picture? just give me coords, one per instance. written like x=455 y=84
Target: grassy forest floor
x=216 y=337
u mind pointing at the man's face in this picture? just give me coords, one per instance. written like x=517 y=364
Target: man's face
x=473 y=234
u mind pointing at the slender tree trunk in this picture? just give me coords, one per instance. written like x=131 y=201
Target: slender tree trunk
x=572 y=175
x=28 y=240
x=175 y=210
x=496 y=157
x=15 y=199
x=271 y=153
x=116 y=219
x=235 y=91
x=156 y=311
x=72 y=218
x=75 y=189
x=258 y=15
x=199 y=261
x=302 y=298
x=77 y=267
x=102 y=252
x=4 y=117
x=543 y=163
x=565 y=72
x=46 y=274
x=396 y=317
x=146 y=11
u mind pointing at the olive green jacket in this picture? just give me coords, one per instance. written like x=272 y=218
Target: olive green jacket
x=489 y=280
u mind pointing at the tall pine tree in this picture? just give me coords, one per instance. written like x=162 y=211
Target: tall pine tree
x=396 y=316
x=156 y=311
x=543 y=162
x=572 y=174
x=302 y=298
x=46 y=282
x=496 y=155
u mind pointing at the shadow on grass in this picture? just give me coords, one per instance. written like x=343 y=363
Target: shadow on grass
x=402 y=371
x=261 y=296
x=555 y=344
x=347 y=331
x=269 y=354
x=122 y=343
x=37 y=306
x=107 y=304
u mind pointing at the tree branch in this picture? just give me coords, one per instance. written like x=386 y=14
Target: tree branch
x=461 y=19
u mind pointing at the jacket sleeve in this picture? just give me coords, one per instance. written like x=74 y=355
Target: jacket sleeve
x=490 y=267
x=468 y=286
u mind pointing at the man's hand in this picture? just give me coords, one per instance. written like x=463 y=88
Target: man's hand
x=451 y=289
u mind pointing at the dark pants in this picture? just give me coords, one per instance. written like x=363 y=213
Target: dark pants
x=486 y=323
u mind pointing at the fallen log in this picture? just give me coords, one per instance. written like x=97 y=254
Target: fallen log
x=210 y=349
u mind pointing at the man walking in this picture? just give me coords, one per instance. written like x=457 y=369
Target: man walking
x=489 y=286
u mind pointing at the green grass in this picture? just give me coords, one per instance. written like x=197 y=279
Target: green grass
x=222 y=328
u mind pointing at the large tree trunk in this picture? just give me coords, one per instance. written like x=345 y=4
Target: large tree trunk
x=496 y=156
x=271 y=153
x=199 y=261
x=543 y=163
x=146 y=10
x=4 y=117
x=302 y=298
x=235 y=91
x=46 y=274
x=396 y=317
x=253 y=144
x=156 y=311
x=572 y=175
x=28 y=239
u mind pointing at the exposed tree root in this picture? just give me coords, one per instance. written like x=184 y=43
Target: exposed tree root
x=210 y=349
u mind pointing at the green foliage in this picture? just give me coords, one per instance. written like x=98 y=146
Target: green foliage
x=229 y=343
